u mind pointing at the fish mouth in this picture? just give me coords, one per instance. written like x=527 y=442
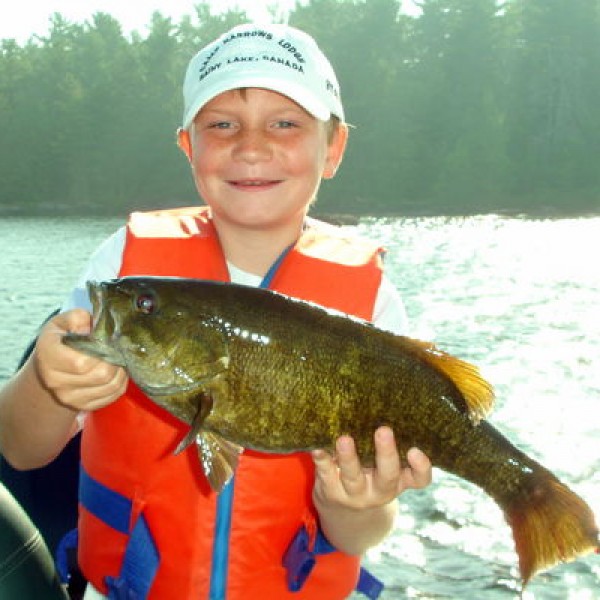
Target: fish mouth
x=99 y=316
x=93 y=346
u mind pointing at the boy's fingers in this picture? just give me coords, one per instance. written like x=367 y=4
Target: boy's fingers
x=324 y=465
x=420 y=467
x=351 y=472
x=387 y=461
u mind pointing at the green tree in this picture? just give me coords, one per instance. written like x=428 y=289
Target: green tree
x=553 y=123
x=16 y=64
x=103 y=121
x=457 y=136
x=49 y=97
x=154 y=152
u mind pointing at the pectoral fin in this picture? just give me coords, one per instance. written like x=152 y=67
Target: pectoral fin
x=204 y=408
x=219 y=458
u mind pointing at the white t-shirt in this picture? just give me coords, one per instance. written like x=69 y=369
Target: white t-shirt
x=105 y=264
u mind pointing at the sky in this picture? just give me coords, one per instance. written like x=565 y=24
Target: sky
x=23 y=18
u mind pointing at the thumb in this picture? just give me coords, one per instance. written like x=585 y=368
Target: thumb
x=76 y=320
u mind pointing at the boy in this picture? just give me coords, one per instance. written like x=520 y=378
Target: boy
x=263 y=124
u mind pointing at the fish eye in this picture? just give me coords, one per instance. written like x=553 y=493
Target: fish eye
x=145 y=304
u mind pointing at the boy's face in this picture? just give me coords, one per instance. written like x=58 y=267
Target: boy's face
x=258 y=157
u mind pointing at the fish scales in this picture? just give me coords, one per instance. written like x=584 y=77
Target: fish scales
x=316 y=370
x=250 y=368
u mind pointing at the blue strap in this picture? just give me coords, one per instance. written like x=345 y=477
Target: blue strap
x=299 y=561
x=139 y=567
x=369 y=585
x=268 y=278
x=107 y=505
x=220 y=556
x=141 y=559
x=63 y=565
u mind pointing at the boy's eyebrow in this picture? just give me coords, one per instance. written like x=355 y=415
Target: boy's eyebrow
x=213 y=113
x=280 y=112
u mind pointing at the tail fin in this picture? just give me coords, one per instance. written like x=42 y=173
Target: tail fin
x=551 y=525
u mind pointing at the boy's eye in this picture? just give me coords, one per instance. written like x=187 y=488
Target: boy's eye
x=221 y=125
x=285 y=124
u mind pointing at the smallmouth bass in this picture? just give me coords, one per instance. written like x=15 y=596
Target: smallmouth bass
x=251 y=368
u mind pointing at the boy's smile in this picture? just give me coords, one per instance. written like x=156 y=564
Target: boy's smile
x=254 y=185
x=258 y=157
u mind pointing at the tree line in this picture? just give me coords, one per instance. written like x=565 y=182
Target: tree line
x=471 y=106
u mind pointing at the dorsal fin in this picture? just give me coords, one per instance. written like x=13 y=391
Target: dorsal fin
x=477 y=392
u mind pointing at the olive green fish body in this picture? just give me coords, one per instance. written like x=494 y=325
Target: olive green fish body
x=249 y=368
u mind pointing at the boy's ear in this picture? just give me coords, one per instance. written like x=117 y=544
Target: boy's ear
x=183 y=141
x=335 y=151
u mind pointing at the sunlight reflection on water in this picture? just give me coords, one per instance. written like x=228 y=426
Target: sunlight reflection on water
x=520 y=298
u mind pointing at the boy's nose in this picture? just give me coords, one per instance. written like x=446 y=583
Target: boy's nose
x=252 y=146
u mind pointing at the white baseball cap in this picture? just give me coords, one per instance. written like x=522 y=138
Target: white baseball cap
x=274 y=57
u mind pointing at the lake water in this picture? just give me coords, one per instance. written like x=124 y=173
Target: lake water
x=519 y=297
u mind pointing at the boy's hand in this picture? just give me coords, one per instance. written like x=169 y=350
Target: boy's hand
x=342 y=480
x=356 y=505
x=76 y=380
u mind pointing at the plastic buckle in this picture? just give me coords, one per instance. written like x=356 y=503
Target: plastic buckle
x=298 y=560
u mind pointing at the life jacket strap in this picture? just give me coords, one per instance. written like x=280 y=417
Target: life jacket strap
x=299 y=560
x=65 y=553
x=141 y=559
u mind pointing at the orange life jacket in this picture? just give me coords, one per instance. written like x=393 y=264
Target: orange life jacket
x=128 y=446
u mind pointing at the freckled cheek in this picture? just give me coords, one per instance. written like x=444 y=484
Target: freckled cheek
x=304 y=161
